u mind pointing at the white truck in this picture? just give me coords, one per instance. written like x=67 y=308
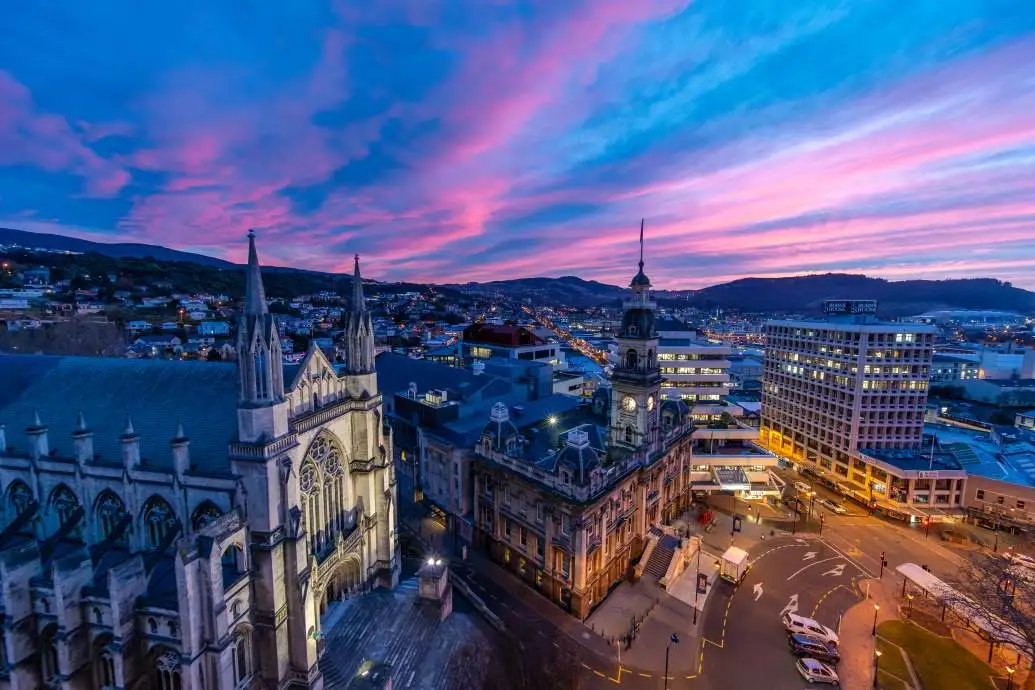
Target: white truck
x=734 y=565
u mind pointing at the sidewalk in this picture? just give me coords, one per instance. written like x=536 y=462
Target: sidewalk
x=856 y=635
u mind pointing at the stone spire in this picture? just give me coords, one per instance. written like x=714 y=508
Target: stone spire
x=180 y=450
x=130 y=445
x=82 y=440
x=359 y=303
x=259 y=357
x=255 y=293
x=359 y=331
x=37 y=433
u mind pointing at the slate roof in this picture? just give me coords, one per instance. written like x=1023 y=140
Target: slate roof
x=154 y=392
x=395 y=372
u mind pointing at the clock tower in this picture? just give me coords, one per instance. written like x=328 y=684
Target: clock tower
x=636 y=380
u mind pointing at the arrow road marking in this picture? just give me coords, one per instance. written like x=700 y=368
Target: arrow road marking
x=800 y=541
x=758 y=591
x=810 y=555
x=792 y=605
x=837 y=571
x=812 y=563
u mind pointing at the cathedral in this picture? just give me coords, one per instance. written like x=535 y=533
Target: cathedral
x=181 y=525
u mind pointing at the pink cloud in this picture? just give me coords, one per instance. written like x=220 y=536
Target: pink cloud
x=31 y=136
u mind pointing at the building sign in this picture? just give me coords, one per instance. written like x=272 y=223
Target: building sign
x=850 y=306
x=928 y=475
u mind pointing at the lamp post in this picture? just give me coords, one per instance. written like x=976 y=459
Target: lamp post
x=812 y=501
x=1009 y=677
x=909 y=605
x=671 y=641
x=876 y=665
x=794 y=523
x=697 y=582
x=876 y=610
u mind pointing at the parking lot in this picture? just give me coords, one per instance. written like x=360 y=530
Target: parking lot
x=745 y=644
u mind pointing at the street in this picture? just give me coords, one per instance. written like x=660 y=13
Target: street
x=745 y=644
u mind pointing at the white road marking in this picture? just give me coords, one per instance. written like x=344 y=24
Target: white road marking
x=810 y=555
x=800 y=570
x=792 y=605
x=837 y=571
x=758 y=591
x=854 y=562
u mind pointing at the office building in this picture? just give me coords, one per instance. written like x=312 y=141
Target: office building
x=835 y=388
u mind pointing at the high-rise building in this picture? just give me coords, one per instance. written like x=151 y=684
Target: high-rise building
x=838 y=393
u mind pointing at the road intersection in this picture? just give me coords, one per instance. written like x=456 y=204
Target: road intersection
x=744 y=643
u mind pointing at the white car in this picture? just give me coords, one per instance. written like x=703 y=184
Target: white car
x=835 y=507
x=806 y=626
x=816 y=671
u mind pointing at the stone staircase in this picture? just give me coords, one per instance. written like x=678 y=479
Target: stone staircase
x=661 y=557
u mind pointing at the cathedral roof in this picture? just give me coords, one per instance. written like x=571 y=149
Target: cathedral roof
x=154 y=392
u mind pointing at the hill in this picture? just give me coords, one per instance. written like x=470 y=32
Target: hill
x=802 y=294
x=805 y=294
x=115 y=250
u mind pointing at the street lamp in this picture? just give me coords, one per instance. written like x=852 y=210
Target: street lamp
x=812 y=501
x=876 y=665
x=1009 y=677
x=909 y=605
x=671 y=641
x=697 y=582
x=876 y=610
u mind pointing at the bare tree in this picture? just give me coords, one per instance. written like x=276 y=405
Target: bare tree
x=995 y=598
x=512 y=664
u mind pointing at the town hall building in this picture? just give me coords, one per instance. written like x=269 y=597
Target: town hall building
x=183 y=525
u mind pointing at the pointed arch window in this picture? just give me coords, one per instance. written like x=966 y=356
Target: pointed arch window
x=323 y=480
x=62 y=508
x=167 y=671
x=104 y=665
x=159 y=520
x=109 y=511
x=631 y=359
x=628 y=434
x=242 y=657
x=205 y=514
x=19 y=496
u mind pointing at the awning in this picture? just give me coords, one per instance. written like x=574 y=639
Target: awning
x=998 y=630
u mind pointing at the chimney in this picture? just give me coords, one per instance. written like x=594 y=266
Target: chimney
x=180 y=451
x=82 y=441
x=37 y=433
x=130 y=446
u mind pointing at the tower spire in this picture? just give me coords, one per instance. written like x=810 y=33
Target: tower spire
x=255 y=293
x=358 y=302
x=641 y=245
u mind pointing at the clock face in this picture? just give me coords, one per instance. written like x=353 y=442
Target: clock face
x=628 y=403
x=650 y=403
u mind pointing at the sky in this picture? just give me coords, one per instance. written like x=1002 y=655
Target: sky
x=456 y=140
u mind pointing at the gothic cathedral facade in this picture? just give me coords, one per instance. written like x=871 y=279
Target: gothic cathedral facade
x=184 y=525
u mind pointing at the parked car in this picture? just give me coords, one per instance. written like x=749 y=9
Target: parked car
x=796 y=624
x=816 y=671
x=835 y=507
x=805 y=645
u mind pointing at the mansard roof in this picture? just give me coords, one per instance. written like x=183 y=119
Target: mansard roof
x=154 y=392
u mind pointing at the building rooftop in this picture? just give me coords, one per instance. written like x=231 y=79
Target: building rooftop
x=396 y=372
x=1009 y=383
x=978 y=454
x=154 y=393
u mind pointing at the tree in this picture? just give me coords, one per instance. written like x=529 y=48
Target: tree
x=77 y=336
x=530 y=662
x=996 y=599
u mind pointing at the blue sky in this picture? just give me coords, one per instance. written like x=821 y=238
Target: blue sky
x=473 y=140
